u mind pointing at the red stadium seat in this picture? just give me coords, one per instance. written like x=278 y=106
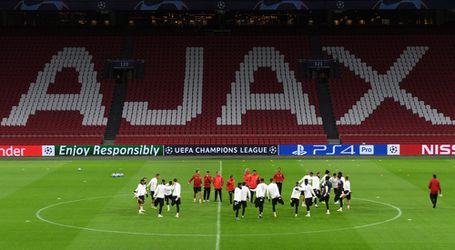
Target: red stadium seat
x=28 y=60
x=420 y=111
x=220 y=57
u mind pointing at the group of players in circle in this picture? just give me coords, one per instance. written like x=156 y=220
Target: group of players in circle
x=311 y=188
x=160 y=194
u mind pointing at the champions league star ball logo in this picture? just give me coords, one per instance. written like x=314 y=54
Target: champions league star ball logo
x=393 y=149
x=340 y=4
x=400 y=4
x=102 y=5
x=221 y=5
x=280 y=5
x=151 y=5
x=48 y=150
x=34 y=5
x=169 y=150
x=273 y=150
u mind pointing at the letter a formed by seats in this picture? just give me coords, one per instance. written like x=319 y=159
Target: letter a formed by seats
x=240 y=100
x=88 y=102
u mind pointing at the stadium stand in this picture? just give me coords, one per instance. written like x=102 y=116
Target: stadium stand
x=221 y=90
x=49 y=75
x=393 y=89
x=236 y=89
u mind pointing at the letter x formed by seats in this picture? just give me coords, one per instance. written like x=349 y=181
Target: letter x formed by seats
x=385 y=85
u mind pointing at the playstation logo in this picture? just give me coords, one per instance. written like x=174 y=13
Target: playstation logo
x=300 y=150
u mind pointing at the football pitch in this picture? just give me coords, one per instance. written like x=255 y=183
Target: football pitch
x=50 y=204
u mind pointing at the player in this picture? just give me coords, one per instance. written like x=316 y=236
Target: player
x=159 y=197
x=302 y=185
x=274 y=194
x=253 y=182
x=218 y=182
x=168 y=194
x=295 y=198
x=347 y=192
x=306 y=177
x=230 y=186
x=260 y=191
x=434 y=187
x=176 y=196
x=196 y=179
x=326 y=173
x=244 y=198
x=309 y=194
x=152 y=187
x=325 y=195
x=340 y=191
x=334 y=180
x=139 y=194
x=207 y=186
x=279 y=178
x=315 y=184
x=246 y=176
x=237 y=200
x=341 y=177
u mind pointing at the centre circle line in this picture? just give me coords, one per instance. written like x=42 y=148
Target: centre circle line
x=41 y=218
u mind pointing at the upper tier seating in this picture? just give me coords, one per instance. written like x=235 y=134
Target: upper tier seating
x=393 y=89
x=52 y=91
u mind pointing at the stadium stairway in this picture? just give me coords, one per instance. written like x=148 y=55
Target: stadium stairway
x=121 y=83
x=323 y=93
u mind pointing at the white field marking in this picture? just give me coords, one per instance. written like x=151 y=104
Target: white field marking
x=38 y=215
x=218 y=212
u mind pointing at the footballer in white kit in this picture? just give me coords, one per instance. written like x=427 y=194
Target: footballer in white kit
x=260 y=190
x=325 y=194
x=176 y=196
x=273 y=193
x=152 y=187
x=244 y=198
x=159 y=197
x=346 y=194
x=295 y=197
x=302 y=185
x=315 y=184
x=309 y=195
x=168 y=193
x=237 y=200
x=139 y=194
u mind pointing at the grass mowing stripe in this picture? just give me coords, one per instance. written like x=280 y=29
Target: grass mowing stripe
x=402 y=183
x=18 y=175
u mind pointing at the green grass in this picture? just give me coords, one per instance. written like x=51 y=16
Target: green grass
x=106 y=205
